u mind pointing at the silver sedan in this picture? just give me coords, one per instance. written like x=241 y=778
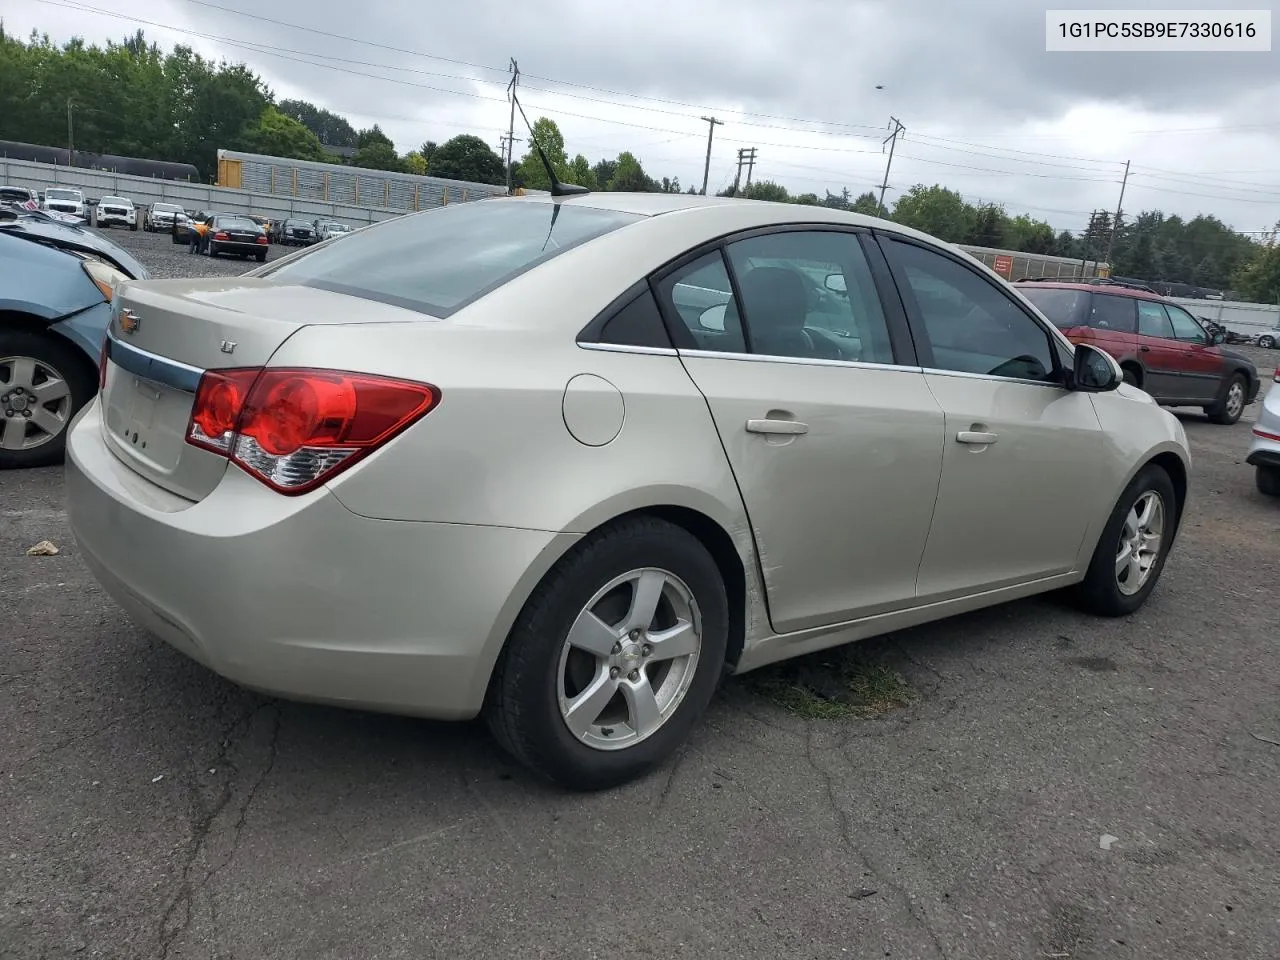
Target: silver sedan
x=567 y=462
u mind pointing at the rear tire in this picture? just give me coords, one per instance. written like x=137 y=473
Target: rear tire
x=1267 y=342
x=1116 y=584
x=1268 y=480
x=1130 y=376
x=647 y=701
x=261 y=257
x=47 y=361
x=1231 y=404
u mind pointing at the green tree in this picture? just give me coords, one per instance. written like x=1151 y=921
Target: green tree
x=629 y=175
x=278 y=135
x=868 y=203
x=415 y=163
x=532 y=172
x=937 y=211
x=580 y=172
x=767 y=190
x=376 y=151
x=988 y=226
x=1258 y=278
x=464 y=157
x=329 y=128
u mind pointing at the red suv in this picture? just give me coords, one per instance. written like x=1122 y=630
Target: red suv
x=1161 y=348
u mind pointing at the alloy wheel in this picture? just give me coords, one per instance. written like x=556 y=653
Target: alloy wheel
x=1141 y=538
x=629 y=659
x=35 y=403
x=1235 y=399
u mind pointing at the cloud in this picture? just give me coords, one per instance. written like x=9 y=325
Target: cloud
x=987 y=110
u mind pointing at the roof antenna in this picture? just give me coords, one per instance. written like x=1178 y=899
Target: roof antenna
x=558 y=189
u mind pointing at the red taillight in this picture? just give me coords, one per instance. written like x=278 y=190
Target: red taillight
x=1276 y=378
x=103 y=356
x=294 y=429
x=261 y=239
x=220 y=236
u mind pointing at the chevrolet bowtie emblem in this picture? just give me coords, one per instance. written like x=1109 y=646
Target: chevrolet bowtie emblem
x=129 y=321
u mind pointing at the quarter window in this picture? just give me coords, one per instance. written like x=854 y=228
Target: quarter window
x=700 y=297
x=809 y=294
x=972 y=326
x=1153 y=321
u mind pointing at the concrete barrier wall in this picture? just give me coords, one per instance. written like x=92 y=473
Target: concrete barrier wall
x=1244 y=317
x=191 y=196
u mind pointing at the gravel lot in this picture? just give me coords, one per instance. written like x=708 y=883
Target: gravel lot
x=1060 y=787
x=166 y=259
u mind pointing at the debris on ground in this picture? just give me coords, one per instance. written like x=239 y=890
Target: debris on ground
x=1106 y=840
x=45 y=548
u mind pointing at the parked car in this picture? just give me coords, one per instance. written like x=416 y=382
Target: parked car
x=116 y=211
x=56 y=289
x=1268 y=340
x=181 y=228
x=161 y=217
x=1264 y=450
x=265 y=223
x=330 y=228
x=1160 y=346
x=66 y=200
x=234 y=233
x=296 y=233
x=23 y=197
x=567 y=461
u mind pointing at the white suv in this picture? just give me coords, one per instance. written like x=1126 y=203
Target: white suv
x=117 y=211
x=65 y=200
x=160 y=216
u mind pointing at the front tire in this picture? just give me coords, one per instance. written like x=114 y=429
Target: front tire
x=1134 y=544
x=1268 y=480
x=43 y=385
x=614 y=657
x=1231 y=404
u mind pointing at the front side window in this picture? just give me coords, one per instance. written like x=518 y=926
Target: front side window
x=972 y=326
x=439 y=261
x=1185 y=326
x=1153 y=321
x=810 y=295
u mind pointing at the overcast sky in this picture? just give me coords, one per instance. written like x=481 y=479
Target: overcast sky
x=810 y=83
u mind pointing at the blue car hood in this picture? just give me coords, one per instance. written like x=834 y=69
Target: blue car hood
x=70 y=237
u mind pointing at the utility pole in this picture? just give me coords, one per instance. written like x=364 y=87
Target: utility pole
x=1115 y=224
x=892 y=141
x=71 y=141
x=746 y=155
x=711 y=131
x=511 y=123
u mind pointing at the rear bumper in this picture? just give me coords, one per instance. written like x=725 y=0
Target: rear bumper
x=1264 y=451
x=298 y=596
x=237 y=247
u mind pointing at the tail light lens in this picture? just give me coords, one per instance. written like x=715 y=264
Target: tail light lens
x=219 y=235
x=1276 y=376
x=295 y=429
x=261 y=239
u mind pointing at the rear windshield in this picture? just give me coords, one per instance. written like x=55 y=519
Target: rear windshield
x=440 y=261
x=1062 y=307
x=235 y=223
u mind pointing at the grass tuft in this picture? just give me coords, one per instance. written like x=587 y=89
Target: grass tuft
x=830 y=685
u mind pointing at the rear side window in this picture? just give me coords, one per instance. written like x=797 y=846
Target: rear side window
x=438 y=262
x=1064 y=308
x=1117 y=314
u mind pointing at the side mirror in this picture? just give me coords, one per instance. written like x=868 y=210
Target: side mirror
x=836 y=283
x=1094 y=371
x=712 y=318
x=1219 y=338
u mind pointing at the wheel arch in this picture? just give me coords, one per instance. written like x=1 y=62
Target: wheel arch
x=740 y=577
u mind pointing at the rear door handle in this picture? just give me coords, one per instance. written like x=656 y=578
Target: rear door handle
x=788 y=427
x=1145 y=349
x=973 y=436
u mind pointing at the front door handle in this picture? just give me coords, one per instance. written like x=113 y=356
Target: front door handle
x=787 y=427
x=973 y=436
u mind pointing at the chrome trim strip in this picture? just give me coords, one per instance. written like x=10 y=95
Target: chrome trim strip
x=937 y=372
x=801 y=361
x=172 y=373
x=629 y=348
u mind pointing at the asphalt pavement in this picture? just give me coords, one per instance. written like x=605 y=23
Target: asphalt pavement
x=1061 y=787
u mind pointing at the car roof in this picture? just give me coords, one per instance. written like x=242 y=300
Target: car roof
x=1113 y=289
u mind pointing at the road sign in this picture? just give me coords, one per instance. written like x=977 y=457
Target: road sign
x=1004 y=265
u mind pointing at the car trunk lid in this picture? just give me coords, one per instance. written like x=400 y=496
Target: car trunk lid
x=166 y=333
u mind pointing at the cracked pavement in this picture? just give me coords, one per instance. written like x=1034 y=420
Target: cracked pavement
x=150 y=809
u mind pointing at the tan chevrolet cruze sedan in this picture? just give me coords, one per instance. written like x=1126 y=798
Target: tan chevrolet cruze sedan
x=567 y=461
